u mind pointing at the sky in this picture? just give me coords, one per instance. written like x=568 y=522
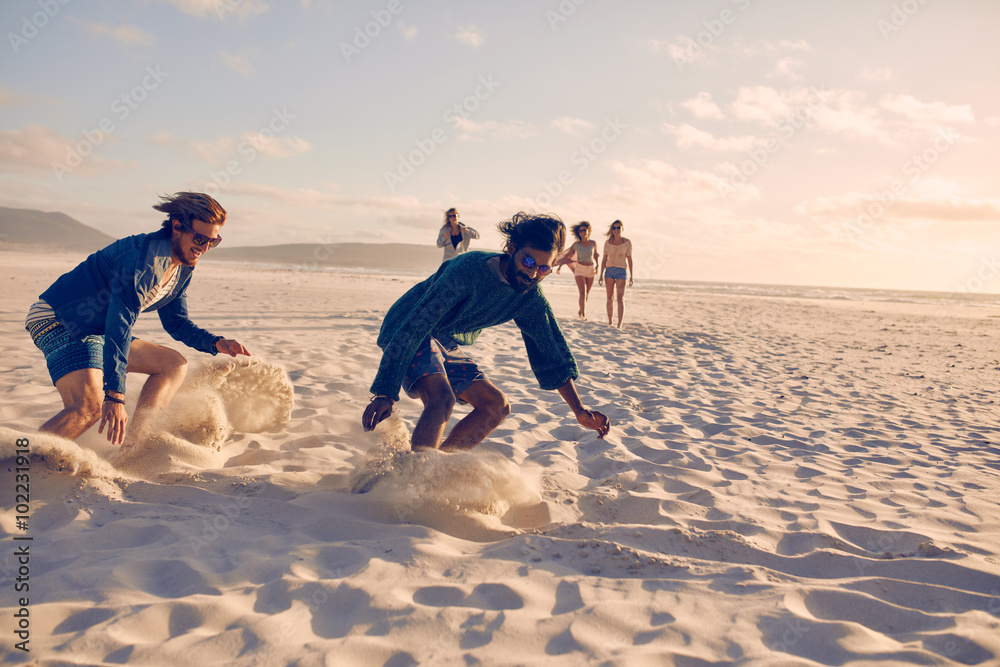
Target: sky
x=788 y=142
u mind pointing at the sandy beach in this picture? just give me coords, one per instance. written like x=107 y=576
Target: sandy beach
x=786 y=482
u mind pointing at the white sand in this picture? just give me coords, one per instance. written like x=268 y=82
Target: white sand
x=786 y=482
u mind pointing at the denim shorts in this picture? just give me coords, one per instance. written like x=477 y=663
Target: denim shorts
x=615 y=273
x=63 y=352
x=433 y=357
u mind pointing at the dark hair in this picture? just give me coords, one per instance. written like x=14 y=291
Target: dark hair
x=190 y=206
x=541 y=232
x=583 y=224
x=616 y=222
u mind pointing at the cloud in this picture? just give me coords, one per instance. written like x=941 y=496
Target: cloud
x=36 y=147
x=688 y=136
x=238 y=62
x=876 y=74
x=571 y=125
x=220 y=10
x=702 y=106
x=125 y=34
x=786 y=68
x=992 y=121
x=469 y=130
x=217 y=152
x=276 y=147
x=9 y=99
x=935 y=208
x=470 y=35
x=409 y=31
x=927 y=113
x=213 y=151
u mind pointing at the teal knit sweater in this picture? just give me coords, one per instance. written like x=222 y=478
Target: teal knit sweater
x=460 y=300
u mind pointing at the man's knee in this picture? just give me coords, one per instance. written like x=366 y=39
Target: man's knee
x=436 y=394
x=88 y=407
x=496 y=404
x=176 y=363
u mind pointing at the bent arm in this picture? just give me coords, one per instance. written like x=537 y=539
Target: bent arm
x=175 y=320
x=589 y=418
x=444 y=237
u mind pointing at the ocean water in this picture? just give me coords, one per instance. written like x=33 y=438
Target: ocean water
x=964 y=299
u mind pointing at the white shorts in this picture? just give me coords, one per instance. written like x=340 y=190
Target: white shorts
x=584 y=270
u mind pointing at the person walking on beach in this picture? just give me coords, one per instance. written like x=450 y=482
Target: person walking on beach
x=584 y=266
x=454 y=237
x=617 y=253
x=421 y=333
x=83 y=322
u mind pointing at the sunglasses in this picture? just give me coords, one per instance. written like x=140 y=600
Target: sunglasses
x=452 y=215
x=528 y=262
x=201 y=239
x=618 y=227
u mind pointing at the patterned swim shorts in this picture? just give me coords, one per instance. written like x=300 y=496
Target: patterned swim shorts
x=433 y=357
x=63 y=352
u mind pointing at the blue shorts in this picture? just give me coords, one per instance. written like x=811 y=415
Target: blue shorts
x=65 y=353
x=615 y=273
x=433 y=357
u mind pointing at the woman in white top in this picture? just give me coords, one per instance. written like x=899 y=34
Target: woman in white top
x=617 y=253
x=582 y=258
x=454 y=237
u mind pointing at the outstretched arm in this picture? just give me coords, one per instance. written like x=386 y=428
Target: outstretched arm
x=589 y=418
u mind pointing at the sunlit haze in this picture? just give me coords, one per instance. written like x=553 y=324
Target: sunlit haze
x=838 y=143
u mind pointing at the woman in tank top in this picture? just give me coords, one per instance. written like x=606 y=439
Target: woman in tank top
x=617 y=254
x=584 y=266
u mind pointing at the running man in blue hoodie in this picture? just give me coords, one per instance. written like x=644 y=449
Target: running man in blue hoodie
x=83 y=322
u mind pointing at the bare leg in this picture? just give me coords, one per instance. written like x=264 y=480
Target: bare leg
x=166 y=369
x=439 y=401
x=490 y=408
x=620 y=289
x=610 y=284
x=82 y=397
x=581 y=284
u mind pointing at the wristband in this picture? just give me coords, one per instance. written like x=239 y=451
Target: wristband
x=113 y=399
x=372 y=399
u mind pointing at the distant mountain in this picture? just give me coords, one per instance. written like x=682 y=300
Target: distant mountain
x=24 y=227
x=37 y=230
x=387 y=256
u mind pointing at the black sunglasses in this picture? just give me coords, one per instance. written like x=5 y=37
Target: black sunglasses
x=201 y=239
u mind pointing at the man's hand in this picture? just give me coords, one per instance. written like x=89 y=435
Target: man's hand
x=114 y=415
x=595 y=420
x=231 y=347
x=377 y=410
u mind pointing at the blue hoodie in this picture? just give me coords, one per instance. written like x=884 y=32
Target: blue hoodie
x=102 y=295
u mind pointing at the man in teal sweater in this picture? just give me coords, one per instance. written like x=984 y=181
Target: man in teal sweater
x=421 y=333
